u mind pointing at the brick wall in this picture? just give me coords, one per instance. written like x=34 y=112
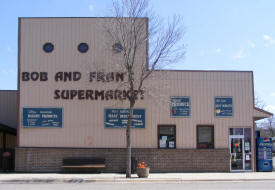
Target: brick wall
x=159 y=160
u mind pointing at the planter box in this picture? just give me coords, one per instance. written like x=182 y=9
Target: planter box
x=143 y=172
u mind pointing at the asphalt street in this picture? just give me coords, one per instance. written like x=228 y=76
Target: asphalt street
x=210 y=185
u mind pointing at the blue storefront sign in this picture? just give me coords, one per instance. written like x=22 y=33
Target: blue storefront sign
x=42 y=117
x=223 y=106
x=118 y=118
x=180 y=107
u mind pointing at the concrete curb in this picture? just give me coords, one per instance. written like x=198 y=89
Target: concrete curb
x=120 y=178
x=115 y=180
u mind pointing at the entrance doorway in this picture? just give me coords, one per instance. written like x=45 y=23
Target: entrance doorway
x=240 y=149
x=236 y=153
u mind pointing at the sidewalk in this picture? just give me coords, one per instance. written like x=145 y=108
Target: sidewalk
x=120 y=178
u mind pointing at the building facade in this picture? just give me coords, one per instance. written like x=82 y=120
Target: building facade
x=71 y=104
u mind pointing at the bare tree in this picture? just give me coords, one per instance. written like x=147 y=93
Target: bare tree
x=133 y=28
x=259 y=103
x=267 y=126
x=271 y=125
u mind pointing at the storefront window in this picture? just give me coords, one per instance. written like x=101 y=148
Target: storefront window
x=167 y=136
x=205 y=137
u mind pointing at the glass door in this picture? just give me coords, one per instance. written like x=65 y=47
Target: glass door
x=240 y=149
x=236 y=144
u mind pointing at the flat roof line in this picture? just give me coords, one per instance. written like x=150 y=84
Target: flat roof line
x=7 y=90
x=205 y=71
x=77 y=17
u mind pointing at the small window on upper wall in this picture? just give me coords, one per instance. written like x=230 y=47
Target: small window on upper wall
x=83 y=47
x=48 y=47
x=117 y=47
x=167 y=136
x=205 y=136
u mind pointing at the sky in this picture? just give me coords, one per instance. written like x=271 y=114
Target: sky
x=219 y=34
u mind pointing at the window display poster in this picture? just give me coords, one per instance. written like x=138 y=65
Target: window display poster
x=162 y=143
x=246 y=146
x=171 y=144
x=180 y=106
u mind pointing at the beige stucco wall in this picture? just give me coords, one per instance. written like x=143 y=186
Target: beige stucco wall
x=83 y=120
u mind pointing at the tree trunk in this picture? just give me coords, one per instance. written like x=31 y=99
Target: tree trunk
x=128 y=139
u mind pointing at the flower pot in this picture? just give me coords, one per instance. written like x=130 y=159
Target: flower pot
x=143 y=172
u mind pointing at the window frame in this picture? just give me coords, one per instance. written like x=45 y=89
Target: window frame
x=175 y=135
x=213 y=136
x=117 y=47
